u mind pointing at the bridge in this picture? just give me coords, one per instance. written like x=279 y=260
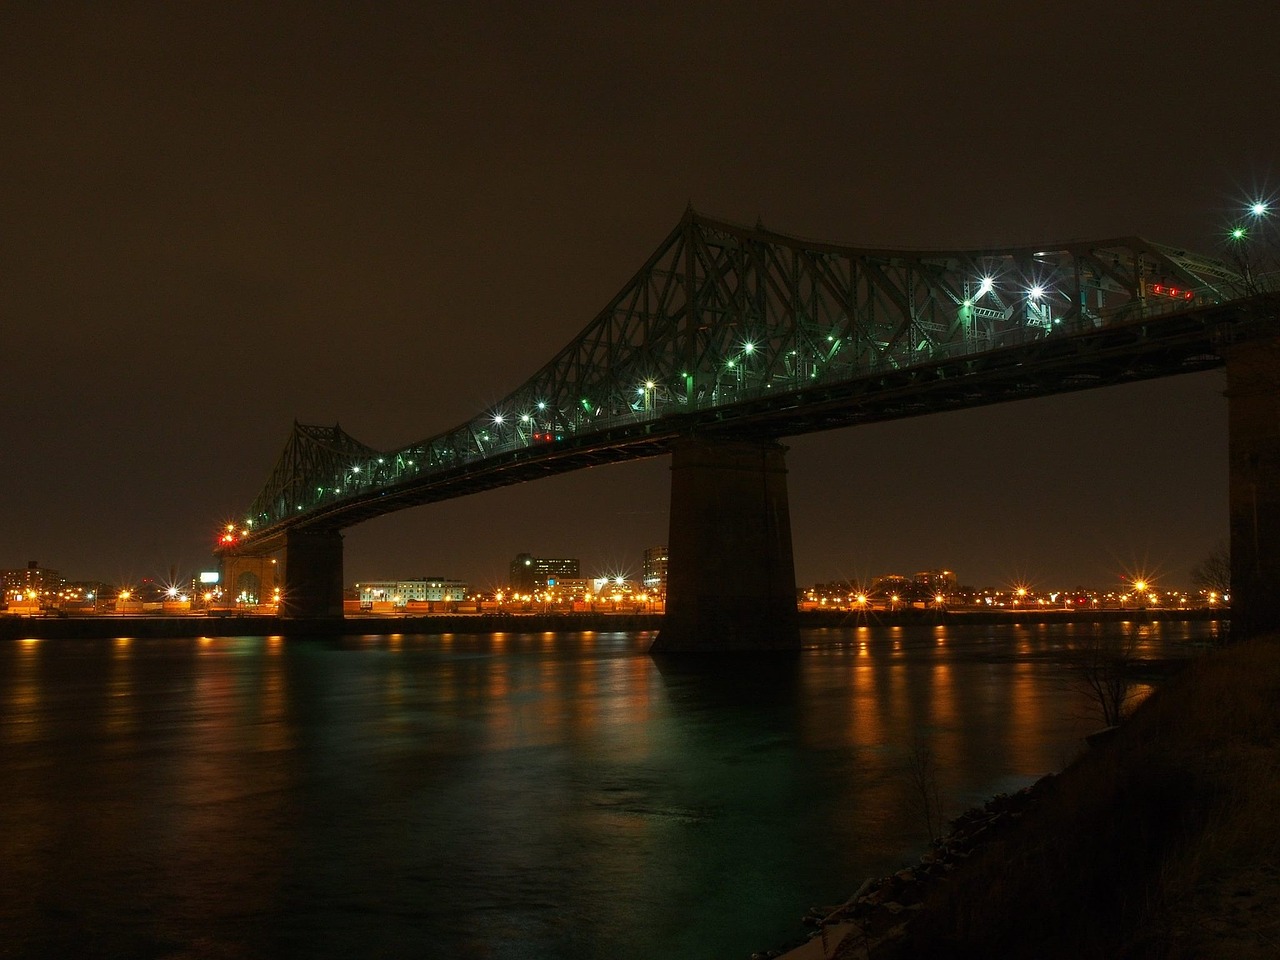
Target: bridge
x=728 y=339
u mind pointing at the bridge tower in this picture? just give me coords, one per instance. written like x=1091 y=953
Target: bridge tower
x=1253 y=417
x=312 y=575
x=731 y=583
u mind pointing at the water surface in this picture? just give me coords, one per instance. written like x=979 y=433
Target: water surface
x=500 y=796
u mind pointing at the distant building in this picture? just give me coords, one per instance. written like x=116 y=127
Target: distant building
x=569 y=588
x=935 y=582
x=894 y=587
x=400 y=592
x=654 y=572
x=529 y=573
x=31 y=582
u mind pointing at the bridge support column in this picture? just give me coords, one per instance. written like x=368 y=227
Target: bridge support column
x=312 y=575
x=1253 y=417
x=731 y=582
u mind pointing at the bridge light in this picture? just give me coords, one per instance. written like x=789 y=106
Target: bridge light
x=542 y=404
x=524 y=418
x=355 y=469
x=985 y=287
x=1238 y=233
x=1036 y=292
x=1259 y=208
x=498 y=419
x=748 y=347
x=649 y=384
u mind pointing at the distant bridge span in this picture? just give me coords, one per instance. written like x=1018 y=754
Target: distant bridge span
x=729 y=338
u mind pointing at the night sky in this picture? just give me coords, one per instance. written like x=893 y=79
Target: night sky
x=217 y=218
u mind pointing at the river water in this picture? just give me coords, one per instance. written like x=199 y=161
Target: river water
x=500 y=796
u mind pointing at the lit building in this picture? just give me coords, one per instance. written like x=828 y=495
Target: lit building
x=569 y=588
x=654 y=572
x=935 y=582
x=401 y=592
x=30 y=583
x=529 y=573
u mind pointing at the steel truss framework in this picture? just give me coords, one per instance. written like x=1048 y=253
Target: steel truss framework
x=736 y=331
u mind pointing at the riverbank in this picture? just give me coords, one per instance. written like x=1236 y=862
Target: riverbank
x=51 y=627
x=1159 y=843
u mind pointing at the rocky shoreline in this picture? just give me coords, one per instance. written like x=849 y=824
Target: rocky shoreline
x=1158 y=842
x=882 y=907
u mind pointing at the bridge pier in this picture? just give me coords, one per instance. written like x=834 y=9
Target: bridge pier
x=731 y=583
x=1253 y=417
x=312 y=575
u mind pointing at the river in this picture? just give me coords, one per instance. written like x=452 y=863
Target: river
x=500 y=796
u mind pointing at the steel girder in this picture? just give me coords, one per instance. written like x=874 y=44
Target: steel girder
x=729 y=328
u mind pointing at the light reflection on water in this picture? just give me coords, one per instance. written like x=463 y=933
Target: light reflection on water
x=509 y=795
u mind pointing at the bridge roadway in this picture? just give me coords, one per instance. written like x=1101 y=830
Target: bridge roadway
x=652 y=376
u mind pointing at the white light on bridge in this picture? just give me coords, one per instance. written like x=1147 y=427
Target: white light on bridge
x=1258 y=208
x=1036 y=292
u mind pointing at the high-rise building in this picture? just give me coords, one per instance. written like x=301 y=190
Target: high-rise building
x=654 y=572
x=530 y=573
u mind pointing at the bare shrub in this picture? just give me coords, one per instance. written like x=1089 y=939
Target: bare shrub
x=1104 y=671
x=922 y=776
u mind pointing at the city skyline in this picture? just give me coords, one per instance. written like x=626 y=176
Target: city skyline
x=1117 y=579
x=223 y=223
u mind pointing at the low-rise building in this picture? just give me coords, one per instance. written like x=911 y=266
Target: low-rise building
x=399 y=593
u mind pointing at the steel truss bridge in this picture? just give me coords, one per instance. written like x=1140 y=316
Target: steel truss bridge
x=730 y=332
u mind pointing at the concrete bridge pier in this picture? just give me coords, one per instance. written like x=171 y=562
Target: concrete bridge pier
x=731 y=583
x=1253 y=417
x=312 y=575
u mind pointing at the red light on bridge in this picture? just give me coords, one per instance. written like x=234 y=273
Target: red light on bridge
x=1165 y=290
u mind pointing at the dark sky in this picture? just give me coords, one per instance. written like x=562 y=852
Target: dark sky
x=216 y=218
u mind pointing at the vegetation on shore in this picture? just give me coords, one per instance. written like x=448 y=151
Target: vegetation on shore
x=1160 y=843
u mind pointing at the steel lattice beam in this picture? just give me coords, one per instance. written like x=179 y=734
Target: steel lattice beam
x=743 y=331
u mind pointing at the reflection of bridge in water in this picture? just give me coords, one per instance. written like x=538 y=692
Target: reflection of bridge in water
x=729 y=338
